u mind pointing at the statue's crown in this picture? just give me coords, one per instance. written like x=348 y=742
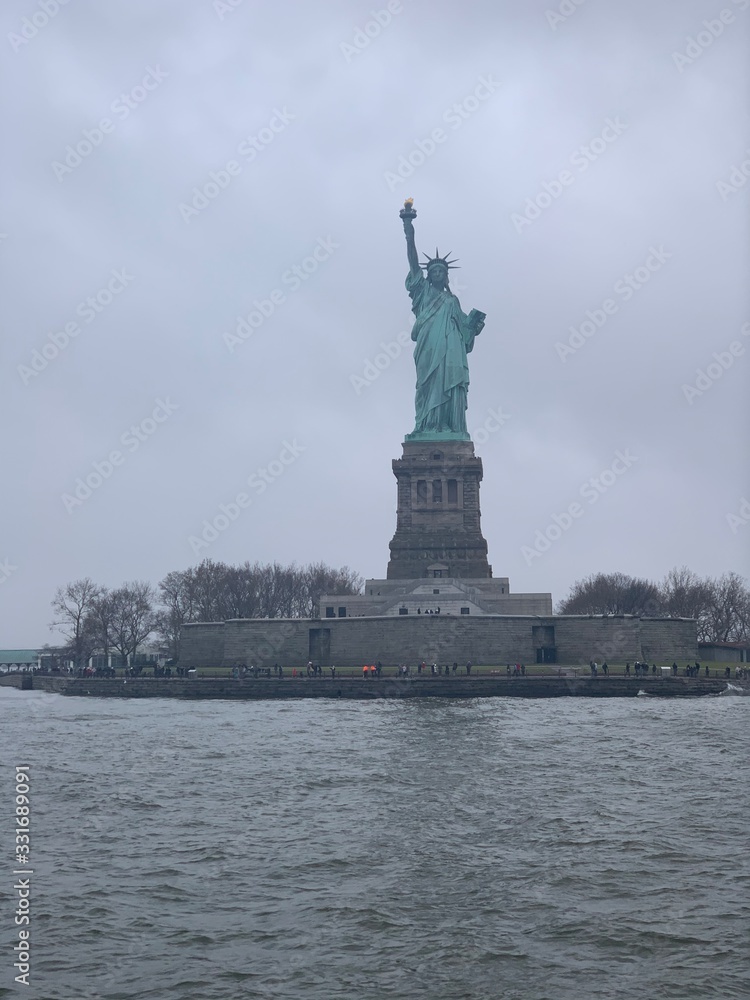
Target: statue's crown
x=437 y=259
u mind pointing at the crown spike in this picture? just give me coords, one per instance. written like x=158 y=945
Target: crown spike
x=437 y=259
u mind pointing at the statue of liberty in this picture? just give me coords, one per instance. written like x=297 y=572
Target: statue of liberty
x=444 y=335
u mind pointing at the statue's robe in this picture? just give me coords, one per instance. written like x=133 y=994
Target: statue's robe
x=443 y=336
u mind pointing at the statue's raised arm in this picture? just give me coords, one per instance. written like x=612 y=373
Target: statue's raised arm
x=408 y=215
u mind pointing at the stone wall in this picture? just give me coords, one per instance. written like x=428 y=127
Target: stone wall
x=490 y=639
x=359 y=689
x=202 y=644
x=432 y=525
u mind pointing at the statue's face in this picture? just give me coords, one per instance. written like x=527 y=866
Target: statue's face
x=438 y=275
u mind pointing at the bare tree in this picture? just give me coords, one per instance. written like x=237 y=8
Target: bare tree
x=241 y=592
x=729 y=611
x=102 y=611
x=612 y=594
x=73 y=608
x=721 y=607
x=209 y=582
x=321 y=579
x=177 y=594
x=133 y=618
x=686 y=595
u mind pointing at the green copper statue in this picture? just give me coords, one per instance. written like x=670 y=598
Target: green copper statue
x=444 y=335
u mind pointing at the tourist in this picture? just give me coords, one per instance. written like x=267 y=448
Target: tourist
x=627 y=670
x=468 y=668
x=333 y=673
x=379 y=667
x=605 y=668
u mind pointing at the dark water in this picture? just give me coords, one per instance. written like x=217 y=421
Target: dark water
x=533 y=850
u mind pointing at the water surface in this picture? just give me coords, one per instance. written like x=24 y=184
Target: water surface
x=538 y=850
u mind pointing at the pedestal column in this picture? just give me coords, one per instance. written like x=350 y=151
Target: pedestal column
x=438 y=531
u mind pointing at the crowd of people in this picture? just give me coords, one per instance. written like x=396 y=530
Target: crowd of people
x=404 y=670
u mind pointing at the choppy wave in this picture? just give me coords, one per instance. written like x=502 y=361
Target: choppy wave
x=542 y=850
x=734 y=689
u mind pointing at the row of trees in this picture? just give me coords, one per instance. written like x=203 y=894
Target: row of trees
x=94 y=619
x=720 y=605
x=214 y=591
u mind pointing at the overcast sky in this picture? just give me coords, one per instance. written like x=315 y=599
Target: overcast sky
x=308 y=114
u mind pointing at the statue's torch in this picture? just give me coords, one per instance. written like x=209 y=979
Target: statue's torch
x=407 y=212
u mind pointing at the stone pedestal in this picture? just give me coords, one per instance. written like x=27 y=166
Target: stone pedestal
x=438 y=533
